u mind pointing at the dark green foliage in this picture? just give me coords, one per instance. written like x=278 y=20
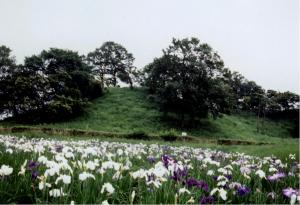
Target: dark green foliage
x=250 y=97
x=138 y=136
x=54 y=85
x=185 y=80
x=112 y=62
x=7 y=65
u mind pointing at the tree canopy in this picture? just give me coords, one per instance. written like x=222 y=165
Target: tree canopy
x=112 y=61
x=53 y=85
x=186 y=80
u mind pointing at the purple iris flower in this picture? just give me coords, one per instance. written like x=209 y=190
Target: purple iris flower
x=58 y=148
x=179 y=174
x=32 y=165
x=207 y=200
x=276 y=176
x=288 y=192
x=243 y=190
x=197 y=183
x=151 y=159
x=228 y=176
x=151 y=177
x=166 y=160
x=35 y=174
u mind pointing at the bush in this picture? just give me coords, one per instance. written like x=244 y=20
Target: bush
x=138 y=136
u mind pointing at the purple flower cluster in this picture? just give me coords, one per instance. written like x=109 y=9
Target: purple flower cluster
x=32 y=166
x=151 y=159
x=288 y=192
x=179 y=174
x=207 y=200
x=59 y=148
x=243 y=190
x=166 y=160
x=197 y=183
x=277 y=176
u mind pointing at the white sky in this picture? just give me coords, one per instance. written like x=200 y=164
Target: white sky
x=258 y=38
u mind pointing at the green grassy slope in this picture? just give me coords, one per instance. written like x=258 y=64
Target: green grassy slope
x=125 y=111
x=122 y=110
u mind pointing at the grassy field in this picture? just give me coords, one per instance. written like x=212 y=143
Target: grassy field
x=122 y=110
x=126 y=111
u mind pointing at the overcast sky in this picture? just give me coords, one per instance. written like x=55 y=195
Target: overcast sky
x=258 y=38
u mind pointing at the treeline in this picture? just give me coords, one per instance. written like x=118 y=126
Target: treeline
x=189 y=81
x=56 y=84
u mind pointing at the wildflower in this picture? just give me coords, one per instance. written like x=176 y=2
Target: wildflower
x=198 y=183
x=132 y=197
x=183 y=190
x=292 y=156
x=32 y=165
x=107 y=187
x=91 y=165
x=42 y=159
x=234 y=185
x=294 y=198
x=288 y=192
x=105 y=202
x=272 y=169
x=139 y=174
x=56 y=193
x=155 y=183
x=65 y=178
x=35 y=174
x=210 y=172
x=166 y=160
x=221 y=191
x=43 y=185
x=179 y=174
x=243 y=190
x=10 y=151
x=151 y=159
x=22 y=170
x=272 y=195
x=245 y=170
x=5 y=170
x=261 y=173
x=84 y=175
x=207 y=200
x=191 y=201
x=69 y=155
x=58 y=148
x=176 y=198
x=276 y=176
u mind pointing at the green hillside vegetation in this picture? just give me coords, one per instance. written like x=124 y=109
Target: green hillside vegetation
x=125 y=110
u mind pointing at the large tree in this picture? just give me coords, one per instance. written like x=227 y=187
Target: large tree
x=112 y=61
x=7 y=66
x=186 y=80
x=53 y=85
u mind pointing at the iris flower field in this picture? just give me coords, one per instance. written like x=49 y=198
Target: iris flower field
x=41 y=170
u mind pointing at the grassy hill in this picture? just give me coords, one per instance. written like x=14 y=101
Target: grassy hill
x=124 y=111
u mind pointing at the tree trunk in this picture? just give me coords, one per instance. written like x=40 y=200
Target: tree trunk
x=130 y=83
x=102 y=80
x=257 y=124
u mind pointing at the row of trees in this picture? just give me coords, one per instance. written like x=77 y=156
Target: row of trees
x=56 y=84
x=188 y=80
